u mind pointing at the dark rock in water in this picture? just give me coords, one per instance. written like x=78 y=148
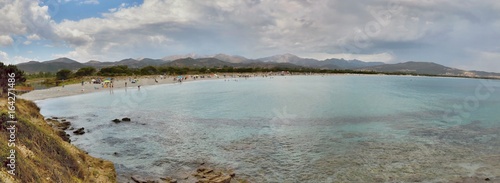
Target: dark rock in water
x=139 y=179
x=79 y=131
x=55 y=117
x=63 y=120
x=72 y=128
x=125 y=119
x=116 y=120
x=64 y=125
x=487 y=179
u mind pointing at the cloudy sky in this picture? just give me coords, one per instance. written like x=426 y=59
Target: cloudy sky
x=457 y=33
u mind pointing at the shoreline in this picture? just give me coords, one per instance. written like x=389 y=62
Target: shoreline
x=118 y=83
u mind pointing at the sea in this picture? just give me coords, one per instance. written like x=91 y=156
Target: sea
x=321 y=128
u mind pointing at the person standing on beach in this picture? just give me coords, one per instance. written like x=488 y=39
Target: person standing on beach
x=139 y=87
x=125 y=84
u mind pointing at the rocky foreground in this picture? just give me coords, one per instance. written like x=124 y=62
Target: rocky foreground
x=202 y=174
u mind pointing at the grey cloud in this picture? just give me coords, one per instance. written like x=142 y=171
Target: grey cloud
x=255 y=28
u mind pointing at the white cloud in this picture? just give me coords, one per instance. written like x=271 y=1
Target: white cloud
x=481 y=60
x=4 y=57
x=21 y=18
x=33 y=37
x=20 y=59
x=27 y=42
x=381 y=30
x=6 y=40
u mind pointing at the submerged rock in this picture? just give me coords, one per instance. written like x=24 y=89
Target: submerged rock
x=140 y=179
x=79 y=131
x=208 y=175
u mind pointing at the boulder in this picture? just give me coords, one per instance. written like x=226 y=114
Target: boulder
x=125 y=119
x=64 y=125
x=79 y=131
x=116 y=121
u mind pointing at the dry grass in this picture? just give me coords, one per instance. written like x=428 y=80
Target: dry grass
x=42 y=156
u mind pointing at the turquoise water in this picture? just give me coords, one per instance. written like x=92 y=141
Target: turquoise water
x=341 y=128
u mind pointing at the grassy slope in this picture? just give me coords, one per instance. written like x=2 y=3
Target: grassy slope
x=42 y=156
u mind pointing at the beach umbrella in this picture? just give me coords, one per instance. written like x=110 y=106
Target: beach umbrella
x=106 y=81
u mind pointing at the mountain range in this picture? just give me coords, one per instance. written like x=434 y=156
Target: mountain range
x=276 y=61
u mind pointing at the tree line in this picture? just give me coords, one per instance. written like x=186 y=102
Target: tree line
x=123 y=70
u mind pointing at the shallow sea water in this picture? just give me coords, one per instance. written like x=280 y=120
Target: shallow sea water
x=341 y=128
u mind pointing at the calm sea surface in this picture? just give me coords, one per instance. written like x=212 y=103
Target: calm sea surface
x=343 y=128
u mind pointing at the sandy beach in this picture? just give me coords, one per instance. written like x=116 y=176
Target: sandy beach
x=87 y=87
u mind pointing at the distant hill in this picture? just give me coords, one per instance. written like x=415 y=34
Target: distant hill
x=415 y=67
x=427 y=68
x=200 y=62
x=350 y=64
x=132 y=63
x=177 y=57
x=214 y=62
x=277 y=61
x=50 y=66
x=232 y=58
x=313 y=63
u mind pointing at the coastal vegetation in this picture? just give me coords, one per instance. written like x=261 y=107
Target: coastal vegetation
x=9 y=69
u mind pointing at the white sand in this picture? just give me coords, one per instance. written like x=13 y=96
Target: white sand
x=77 y=89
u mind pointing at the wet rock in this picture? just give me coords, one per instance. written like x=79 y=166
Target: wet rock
x=137 y=179
x=209 y=175
x=125 y=119
x=64 y=125
x=116 y=121
x=222 y=179
x=140 y=179
x=487 y=179
x=169 y=180
x=79 y=131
